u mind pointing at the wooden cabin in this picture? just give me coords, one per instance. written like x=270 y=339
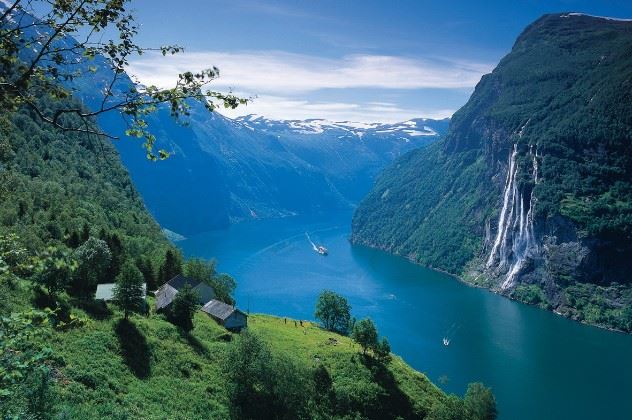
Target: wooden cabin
x=168 y=291
x=226 y=315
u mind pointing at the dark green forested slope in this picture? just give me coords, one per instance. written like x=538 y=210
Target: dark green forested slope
x=548 y=136
x=59 y=188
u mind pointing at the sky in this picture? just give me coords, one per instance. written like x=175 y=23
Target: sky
x=344 y=60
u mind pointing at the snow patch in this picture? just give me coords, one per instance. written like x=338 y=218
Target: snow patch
x=597 y=17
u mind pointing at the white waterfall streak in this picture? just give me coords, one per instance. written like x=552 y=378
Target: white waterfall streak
x=502 y=224
x=515 y=238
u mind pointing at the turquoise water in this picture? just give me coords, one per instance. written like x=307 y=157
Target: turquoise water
x=539 y=365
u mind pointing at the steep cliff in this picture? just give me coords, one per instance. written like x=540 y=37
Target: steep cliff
x=530 y=193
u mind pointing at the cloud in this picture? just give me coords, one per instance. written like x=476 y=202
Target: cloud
x=276 y=72
x=297 y=86
x=278 y=107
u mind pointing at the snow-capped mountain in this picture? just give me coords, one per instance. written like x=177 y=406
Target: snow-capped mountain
x=253 y=167
x=419 y=127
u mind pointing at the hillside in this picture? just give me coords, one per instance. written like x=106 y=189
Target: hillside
x=57 y=188
x=530 y=192
x=148 y=368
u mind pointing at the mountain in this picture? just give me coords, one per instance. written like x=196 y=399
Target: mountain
x=530 y=192
x=224 y=171
x=349 y=153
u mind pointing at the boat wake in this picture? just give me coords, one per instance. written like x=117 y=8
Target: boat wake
x=311 y=242
x=449 y=334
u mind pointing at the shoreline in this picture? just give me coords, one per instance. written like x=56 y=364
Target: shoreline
x=490 y=290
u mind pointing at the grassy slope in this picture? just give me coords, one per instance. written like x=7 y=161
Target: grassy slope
x=149 y=369
x=310 y=345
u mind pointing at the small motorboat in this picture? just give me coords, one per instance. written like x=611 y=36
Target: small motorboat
x=322 y=250
x=446 y=341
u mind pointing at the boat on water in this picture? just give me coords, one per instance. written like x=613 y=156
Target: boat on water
x=446 y=341
x=318 y=248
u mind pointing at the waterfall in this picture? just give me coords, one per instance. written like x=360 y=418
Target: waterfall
x=507 y=197
x=515 y=239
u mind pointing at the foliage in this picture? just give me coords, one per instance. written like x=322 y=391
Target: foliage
x=170 y=267
x=324 y=395
x=129 y=293
x=23 y=364
x=93 y=258
x=59 y=184
x=205 y=271
x=146 y=267
x=13 y=258
x=183 y=308
x=480 y=403
x=66 y=43
x=333 y=311
x=224 y=286
x=365 y=334
x=452 y=409
x=383 y=350
x=529 y=293
x=262 y=386
x=54 y=270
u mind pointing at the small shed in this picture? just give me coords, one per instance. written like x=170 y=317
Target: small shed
x=226 y=315
x=168 y=291
x=105 y=291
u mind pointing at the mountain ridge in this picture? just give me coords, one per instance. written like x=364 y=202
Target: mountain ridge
x=531 y=187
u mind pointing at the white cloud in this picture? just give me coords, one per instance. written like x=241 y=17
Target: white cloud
x=286 y=85
x=276 y=72
x=276 y=107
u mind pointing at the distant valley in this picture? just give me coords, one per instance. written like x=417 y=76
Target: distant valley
x=224 y=171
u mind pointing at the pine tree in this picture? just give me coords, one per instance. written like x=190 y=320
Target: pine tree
x=145 y=266
x=171 y=267
x=183 y=308
x=128 y=292
x=85 y=232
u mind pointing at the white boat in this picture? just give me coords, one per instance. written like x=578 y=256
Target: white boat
x=446 y=342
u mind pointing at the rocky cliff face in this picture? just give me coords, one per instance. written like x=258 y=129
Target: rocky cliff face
x=530 y=193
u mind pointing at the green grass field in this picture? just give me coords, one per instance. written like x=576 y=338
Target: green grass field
x=147 y=368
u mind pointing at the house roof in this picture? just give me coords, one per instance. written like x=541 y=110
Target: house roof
x=168 y=291
x=179 y=281
x=220 y=310
x=165 y=296
x=105 y=291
